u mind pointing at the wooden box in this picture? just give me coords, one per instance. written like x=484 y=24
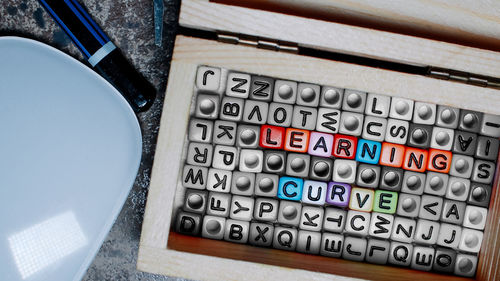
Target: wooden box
x=321 y=52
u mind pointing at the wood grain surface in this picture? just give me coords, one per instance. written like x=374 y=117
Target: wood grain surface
x=337 y=37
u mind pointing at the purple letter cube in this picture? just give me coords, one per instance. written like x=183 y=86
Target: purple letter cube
x=338 y=194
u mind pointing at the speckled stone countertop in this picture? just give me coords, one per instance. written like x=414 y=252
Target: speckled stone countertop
x=129 y=23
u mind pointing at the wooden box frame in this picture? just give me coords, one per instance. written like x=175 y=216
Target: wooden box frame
x=165 y=252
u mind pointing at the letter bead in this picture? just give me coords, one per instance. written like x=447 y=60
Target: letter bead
x=368 y=175
x=195 y=201
x=351 y=123
x=285 y=91
x=289 y=212
x=436 y=183
x=354 y=248
x=194 y=177
x=225 y=157
x=470 y=121
x=274 y=161
x=423 y=258
x=285 y=238
x=290 y=188
x=251 y=160
x=424 y=113
x=280 y=114
x=430 y=207
x=461 y=166
x=449 y=235
x=188 y=223
x=447 y=117
x=403 y=230
x=408 y=205
x=261 y=88
x=361 y=199
x=304 y=117
x=344 y=146
x=397 y=131
x=377 y=251
x=272 y=137
x=236 y=231
x=338 y=194
x=335 y=220
x=391 y=179
x=242 y=183
x=439 y=161
x=368 y=151
x=261 y=234
x=297 y=165
x=377 y=105
x=490 y=125
x=308 y=242
x=213 y=227
x=320 y=144
x=255 y=112
x=479 y=195
x=466 y=265
x=331 y=97
x=232 y=109
x=314 y=192
x=266 y=209
x=445 y=260
x=426 y=232
x=199 y=154
x=487 y=148
x=464 y=143
x=442 y=138
x=344 y=171
x=238 y=85
x=470 y=240
x=224 y=132
x=200 y=130
x=401 y=108
x=321 y=168
x=308 y=94
x=385 y=201
x=453 y=212
x=415 y=159
x=218 y=204
x=381 y=225
x=331 y=245
x=241 y=208
x=247 y=136
x=419 y=135
x=374 y=128
x=475 y=217
x=296 y=140
x=357 y=223
x=208 y=78
x=483 y=171
x=400 y=253
x=458 y=189
x=328 y=120
x=392 y=155
x=266 y=185
x=354 y=101
x=413 y=182
x=311 y=218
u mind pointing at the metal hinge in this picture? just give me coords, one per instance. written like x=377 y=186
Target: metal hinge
x=258 y=42
x=464 y=77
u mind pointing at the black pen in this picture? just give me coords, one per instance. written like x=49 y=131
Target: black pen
x=100 y=52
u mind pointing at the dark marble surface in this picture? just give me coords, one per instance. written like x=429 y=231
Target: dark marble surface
x=129 y=23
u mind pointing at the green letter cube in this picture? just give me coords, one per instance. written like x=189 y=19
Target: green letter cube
x=385 y=201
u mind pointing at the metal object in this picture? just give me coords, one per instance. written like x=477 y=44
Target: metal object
x=158 y=21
